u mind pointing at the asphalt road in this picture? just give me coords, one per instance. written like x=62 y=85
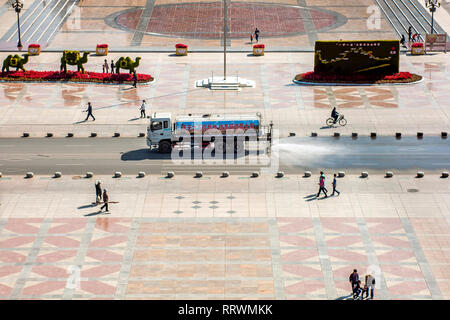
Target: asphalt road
x=76 y=156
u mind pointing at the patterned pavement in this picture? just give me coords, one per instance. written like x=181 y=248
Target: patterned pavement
x=300 y=109
x=153 y=24
x=251 y=258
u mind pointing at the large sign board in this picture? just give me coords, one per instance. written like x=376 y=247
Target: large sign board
x=357 y=57
x=436 y=42
x=223 y=125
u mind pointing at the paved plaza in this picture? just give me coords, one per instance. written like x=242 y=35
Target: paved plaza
x=215 y=237
x=32 y=107
x=162 y=23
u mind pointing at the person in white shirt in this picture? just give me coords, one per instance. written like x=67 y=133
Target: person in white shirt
x=143 y=107
x=370 y=282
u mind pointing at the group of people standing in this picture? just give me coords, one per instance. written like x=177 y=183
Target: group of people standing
x=106 y=66
x=322 y=185
x=358 y=290
x=106 y=70
x=414 y=37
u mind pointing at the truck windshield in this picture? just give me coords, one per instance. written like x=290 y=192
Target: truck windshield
x=156 y=125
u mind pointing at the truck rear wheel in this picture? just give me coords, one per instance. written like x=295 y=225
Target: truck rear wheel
x=165 y=147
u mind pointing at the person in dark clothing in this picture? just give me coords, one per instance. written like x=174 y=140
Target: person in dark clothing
x=112 y=66
x=322 y=185
x=134 y=79
x=334 y=186
x=98 y=192
x=105 y=200
x=358 y=291
x=409 y=33
x=256 y=34
x=353 y=279
x=334 y=114
x=402 y=40
x=89 y=111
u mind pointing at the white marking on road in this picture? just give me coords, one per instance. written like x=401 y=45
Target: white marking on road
x=79 y=145
x=364 y=163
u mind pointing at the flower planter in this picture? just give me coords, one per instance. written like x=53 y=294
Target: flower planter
x=258 y=50
x=417 y=50
x=101 y=50
x=181 y=49
x=34 y=49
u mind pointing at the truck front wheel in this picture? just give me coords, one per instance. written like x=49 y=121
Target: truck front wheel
x=165 y=147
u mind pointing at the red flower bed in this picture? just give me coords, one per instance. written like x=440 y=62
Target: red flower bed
x=403 y=77
x=399 y=76
x=259 y=46
x=73 y=76
x=102 y=46
x=33 y=45
x=354 y=77
x=417 y=45
x=180 y=45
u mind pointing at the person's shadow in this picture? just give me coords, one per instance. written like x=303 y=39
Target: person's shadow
x=311 y=197
x=349 y=297
x=93 y=213
x=87 y=206
x=134 y=119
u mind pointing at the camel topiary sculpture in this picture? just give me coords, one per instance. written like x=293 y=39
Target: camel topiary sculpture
x=127 y=63
x=15 y=61
x=73 y=58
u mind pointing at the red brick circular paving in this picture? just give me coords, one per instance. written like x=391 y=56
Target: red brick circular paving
x=205 y=20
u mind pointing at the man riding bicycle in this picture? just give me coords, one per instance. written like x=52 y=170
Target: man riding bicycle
x=334 y=114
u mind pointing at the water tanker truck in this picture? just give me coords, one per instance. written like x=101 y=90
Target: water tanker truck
x=224 y=131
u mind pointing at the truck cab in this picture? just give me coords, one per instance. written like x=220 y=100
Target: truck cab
x=159 y=132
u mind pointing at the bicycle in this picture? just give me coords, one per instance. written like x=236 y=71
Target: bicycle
x=341 y=120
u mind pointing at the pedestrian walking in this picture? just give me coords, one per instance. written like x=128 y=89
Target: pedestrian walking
x=409 y=33
x=322 y=185
x=251 y=38
x=353 y=279
x=134 y=79
x=334 y=186
x=112 y=66
x=98 y=192
x=143 y=107
x=370 y=285
x=256 y=35
x=105 y=200
x=402 y=40
x=106 y=67
x=89 y=111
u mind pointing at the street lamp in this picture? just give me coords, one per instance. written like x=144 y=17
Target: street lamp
x=432 y=5
x=17 y=5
